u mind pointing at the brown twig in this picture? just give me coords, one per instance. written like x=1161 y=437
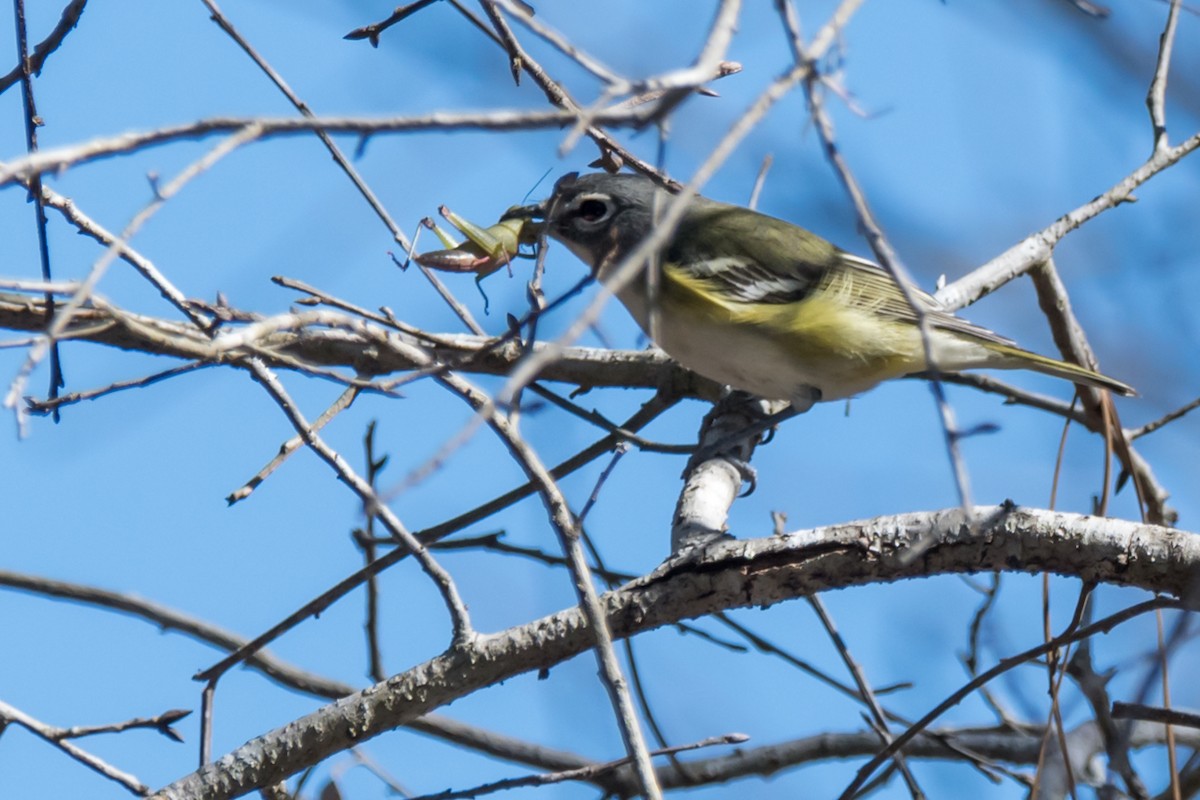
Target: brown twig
x=367 y=542
x=865 y=693
x=37 y=59
x=32 y=121
x=428 y=536
x=589 y=773
x=1070 y=635
x=161 y=723
x=63 y=315
x=288 y=675
x=1151 y=427
x=49 y=404
x=293 y=444
x=371 y=32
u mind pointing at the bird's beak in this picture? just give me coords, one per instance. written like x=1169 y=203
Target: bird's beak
x=534 y=211
x=543 y=209
x=530 y=231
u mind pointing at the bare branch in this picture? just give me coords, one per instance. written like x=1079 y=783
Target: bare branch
x=63 y=315
x=262 y=128
x=362 y=346
x=727 y=575
x=1156 y=96
x=496 y=744
x=371 y=32
x=455 y=606
x=56 y=737
x=339 y=158
x=37 y=59
x=1037 y=247
x=1167 y=716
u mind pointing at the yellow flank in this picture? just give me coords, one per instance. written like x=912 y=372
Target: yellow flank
x=824 y=330
x=836 y=340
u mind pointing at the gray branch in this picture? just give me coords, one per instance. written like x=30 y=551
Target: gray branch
x=735 y=574
x=356 y=345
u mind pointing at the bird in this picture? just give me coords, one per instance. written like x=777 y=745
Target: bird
x=761 y=305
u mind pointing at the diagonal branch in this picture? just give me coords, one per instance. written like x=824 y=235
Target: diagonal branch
x=10 y=714
x=37 y=59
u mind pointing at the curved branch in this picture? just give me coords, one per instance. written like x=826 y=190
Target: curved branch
x=284 y=673
x=756 y=572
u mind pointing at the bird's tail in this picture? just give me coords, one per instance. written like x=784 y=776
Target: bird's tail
x=1016 y=358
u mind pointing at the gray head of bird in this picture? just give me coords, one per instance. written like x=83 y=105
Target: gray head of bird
x=599 y=217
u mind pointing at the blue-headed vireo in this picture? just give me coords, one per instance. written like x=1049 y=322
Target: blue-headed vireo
x=765 y=306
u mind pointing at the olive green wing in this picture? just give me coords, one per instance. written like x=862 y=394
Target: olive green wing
x=751 y=258
x=878 y=284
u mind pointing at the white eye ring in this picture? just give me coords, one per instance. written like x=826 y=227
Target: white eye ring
x=588 y=217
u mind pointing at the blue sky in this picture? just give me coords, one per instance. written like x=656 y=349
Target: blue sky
x=983 y=123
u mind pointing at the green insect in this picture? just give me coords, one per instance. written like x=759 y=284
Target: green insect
x=485 y=250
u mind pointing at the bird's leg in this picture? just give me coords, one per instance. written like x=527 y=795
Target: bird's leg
x=721 y=464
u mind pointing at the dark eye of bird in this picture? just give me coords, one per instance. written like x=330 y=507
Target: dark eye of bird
x=592 y=210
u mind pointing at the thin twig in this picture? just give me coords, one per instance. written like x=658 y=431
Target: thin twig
x=428 y=536
x=32 y=121
x=1151 y=427
x=49 y=404
x=42 y=50
x=760 y=180
x=344 y=400
x=460 y=619
x=865 y=692
x=48 y=733
x=371 y=32
x=367 y=542
x=590 y=773
x=161 y=723
x=1156 y=95
x=1004 y=665
x=262 y=128
x=556 y=40
x=63 y=315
